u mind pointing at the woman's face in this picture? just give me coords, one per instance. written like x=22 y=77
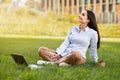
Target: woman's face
x=83 y=18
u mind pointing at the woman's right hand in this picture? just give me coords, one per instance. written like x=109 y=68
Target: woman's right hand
x=54 y=56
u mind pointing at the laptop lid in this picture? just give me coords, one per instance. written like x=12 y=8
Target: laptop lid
x=19 y=59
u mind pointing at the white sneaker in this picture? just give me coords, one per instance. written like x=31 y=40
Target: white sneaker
x=64 y=64
x=40 y=62
x=33 y=66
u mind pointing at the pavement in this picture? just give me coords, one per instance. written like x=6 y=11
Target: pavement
x=55 y=37
x=111 y=39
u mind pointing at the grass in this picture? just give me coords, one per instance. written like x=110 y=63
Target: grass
x=109 y=30
x=28 y=47
x=26 y=22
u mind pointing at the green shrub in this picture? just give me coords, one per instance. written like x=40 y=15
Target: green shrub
x=22 y=21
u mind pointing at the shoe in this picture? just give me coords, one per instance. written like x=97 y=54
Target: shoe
x=64 y=64
x=40 y=62
x=33 y=66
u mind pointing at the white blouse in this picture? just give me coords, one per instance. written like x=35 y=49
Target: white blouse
x=77 y=40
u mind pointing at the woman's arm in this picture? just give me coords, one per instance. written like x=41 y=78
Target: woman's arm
x=93 y=47
x=64 y=45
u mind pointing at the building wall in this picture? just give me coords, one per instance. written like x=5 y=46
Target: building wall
x=106 y=11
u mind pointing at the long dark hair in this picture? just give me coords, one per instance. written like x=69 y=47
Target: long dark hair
x=93 y=24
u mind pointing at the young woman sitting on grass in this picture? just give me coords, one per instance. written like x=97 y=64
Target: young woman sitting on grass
x=73 y=50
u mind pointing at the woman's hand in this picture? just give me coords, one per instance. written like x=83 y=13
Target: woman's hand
x=57 y=56
x=54 y=56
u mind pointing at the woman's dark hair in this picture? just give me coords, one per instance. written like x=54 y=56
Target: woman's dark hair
x=93 y=24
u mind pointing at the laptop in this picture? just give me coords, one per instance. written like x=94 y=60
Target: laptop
x=20 y=60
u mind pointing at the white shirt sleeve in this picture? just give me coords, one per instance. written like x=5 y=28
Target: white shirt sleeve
x=64 y=45
x=93 y=47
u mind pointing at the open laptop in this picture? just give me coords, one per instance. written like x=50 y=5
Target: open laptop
x=20 y=60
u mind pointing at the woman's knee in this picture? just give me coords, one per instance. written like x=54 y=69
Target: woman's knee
x=78 y=57
x=41 y=50
x=71 y=58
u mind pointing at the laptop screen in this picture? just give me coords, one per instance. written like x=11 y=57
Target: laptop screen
x=19 y=59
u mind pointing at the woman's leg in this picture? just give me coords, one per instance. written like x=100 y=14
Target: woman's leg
x=73 y=58
x=45 y=53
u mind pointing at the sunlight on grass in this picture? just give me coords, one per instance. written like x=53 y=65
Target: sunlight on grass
x=40 y=25
x=109 y=30
x=26 y=22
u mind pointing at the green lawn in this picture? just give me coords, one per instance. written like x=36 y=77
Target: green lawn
x=109 y=52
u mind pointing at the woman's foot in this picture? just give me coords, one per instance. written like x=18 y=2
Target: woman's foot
x=40 y=62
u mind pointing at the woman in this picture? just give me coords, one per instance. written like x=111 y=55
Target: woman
x=73 y=50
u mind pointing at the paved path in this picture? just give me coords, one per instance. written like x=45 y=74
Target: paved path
x=111 y=39
x=53 y=37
